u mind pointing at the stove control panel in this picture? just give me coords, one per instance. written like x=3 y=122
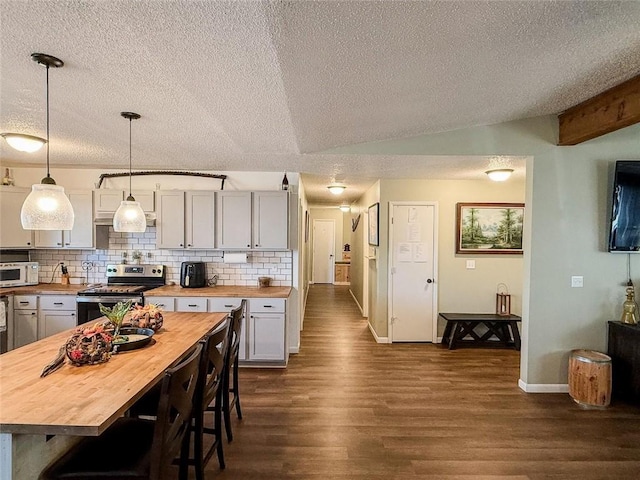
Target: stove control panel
x=136 y=271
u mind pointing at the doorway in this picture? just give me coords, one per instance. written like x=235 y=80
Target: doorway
x=412 y=272
x=323 y=250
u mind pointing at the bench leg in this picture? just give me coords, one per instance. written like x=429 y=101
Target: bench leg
x=454 y=336
x=516 y=334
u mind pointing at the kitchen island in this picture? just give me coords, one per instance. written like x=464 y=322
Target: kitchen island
x=80 y=401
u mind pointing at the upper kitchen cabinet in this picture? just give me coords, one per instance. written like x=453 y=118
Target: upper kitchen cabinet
x=185 y=219
x=252 y=220
x=82 y=234
x=108 y=200
x=233 y=220
x=12 y=235
x=270 y=220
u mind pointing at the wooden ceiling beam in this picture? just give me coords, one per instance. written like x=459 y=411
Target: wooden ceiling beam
x=607 y=112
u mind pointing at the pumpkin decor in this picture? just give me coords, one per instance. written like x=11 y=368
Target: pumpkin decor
x=146 y=316
x=92 y=345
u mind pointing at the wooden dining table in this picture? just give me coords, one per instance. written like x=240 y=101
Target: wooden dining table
x=42 y=417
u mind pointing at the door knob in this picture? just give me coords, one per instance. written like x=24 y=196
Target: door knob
x=429 y=280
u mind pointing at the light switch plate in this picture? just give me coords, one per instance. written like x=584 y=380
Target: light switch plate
x=577 y=281
x=471 y=264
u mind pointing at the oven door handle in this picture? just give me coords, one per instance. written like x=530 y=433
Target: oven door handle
x=81 y=299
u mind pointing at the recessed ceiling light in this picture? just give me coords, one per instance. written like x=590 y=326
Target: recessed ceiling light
x=24 y=143
x=345 y=208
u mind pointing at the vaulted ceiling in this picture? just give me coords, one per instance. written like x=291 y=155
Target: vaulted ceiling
x=270 y=85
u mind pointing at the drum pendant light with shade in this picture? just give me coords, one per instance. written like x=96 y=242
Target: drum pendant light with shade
x=130 y=217
x=47 y=207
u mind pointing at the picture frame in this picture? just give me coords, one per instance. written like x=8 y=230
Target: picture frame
x=489 y=228
x=373 y=214
x=306 y=226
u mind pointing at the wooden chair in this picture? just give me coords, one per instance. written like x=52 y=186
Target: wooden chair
x=134 y=448
x=230 y=387
x=208 y=395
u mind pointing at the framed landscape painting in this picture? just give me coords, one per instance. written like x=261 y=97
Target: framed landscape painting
x=489 y=228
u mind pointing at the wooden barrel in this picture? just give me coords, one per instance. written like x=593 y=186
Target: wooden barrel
x=590 y=378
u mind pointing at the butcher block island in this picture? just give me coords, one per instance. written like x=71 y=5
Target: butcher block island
x=263 y=341
x=80 y=401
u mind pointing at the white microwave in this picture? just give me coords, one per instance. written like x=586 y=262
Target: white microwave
x=18 y=273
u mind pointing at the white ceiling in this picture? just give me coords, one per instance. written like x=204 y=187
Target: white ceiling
x=270 y=85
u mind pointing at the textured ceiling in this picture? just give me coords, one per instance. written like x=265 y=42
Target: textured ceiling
x=268 y=86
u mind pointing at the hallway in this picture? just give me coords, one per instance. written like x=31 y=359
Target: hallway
x=348 y=408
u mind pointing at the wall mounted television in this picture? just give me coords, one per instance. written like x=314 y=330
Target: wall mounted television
x=624 y=231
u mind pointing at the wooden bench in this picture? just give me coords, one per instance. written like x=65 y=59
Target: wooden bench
x=461 y=325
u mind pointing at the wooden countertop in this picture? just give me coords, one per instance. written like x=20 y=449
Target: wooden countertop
x=43 y=289
x=86 y=400
x=238 y=291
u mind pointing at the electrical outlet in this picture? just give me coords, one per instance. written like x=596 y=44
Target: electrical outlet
x=577 y=281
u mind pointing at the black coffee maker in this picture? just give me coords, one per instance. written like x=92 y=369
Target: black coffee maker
x=193 y=275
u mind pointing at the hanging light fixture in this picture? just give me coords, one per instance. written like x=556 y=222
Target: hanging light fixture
x=336 y=188
x=24 y=143
x=129 y=217
x=47 y=207
x=499 y=174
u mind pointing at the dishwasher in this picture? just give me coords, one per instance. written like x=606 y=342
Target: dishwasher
x=6 y=324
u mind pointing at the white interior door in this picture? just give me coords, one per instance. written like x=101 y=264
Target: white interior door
x=412 y=272
x=323 y=251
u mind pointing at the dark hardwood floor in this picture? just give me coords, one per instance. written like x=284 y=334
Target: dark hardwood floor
x=348 y=408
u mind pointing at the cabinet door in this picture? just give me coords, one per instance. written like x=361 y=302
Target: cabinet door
x=53 y=321
x=107 y=201
x=12 y=235
x=82 y=234
x=170 y=219
x=25 y=327
x=266 y=336
x=146 y=199
x=270 y=220
x=48 y=238
x=233 y=223
x=199 y=220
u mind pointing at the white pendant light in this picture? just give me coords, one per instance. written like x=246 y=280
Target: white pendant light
x=499 y=174
x=24 y=143
x=47 y=207
x=129 y=217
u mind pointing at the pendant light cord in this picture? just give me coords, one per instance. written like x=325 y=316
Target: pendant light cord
x=130 y=119
x=48 y=175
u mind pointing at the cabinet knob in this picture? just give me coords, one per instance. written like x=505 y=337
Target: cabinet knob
x=249 y=246
x=58 y=303
x=181 y=244
x=188 y=244
x=28 y=243
x=67 y=243
x=58 y=243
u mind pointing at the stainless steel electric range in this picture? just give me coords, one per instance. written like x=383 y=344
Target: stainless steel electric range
x=124 y=282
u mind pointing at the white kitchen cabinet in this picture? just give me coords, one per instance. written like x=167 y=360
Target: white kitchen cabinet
x=166 y=304
x=57 y=313
x=185 y=219
x=12 y=235
x=252 y=220
x=81 y=236
x=191 y=304
x=233 y=220
x=107 y=200
x=270 y=220
x=267 y=330
x=25 y=320
x=226 y=304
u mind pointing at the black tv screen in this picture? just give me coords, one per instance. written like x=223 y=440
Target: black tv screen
x=624 y=234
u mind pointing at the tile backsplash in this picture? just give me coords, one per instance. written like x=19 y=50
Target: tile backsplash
x=89 y=266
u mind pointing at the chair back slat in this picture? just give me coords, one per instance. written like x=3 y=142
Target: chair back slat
x=212 y=366
x=174 y=412
x=236 y=328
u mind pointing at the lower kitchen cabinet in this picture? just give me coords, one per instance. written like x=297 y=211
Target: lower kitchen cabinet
x=267 y=330
x=25 y=319
x=57 y=314
x=191 y=304
x=166 y=304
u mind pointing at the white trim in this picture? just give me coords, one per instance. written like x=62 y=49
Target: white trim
x=375 y=335
x=543 y=387
x=294 y=349
x=434 y=313
x=342 y=283
x=358 y=304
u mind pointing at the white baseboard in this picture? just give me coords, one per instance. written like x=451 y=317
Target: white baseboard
x=375 y=335
x=356 y=300
x=294 y=349
x=543 y=387
x=341 y=283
